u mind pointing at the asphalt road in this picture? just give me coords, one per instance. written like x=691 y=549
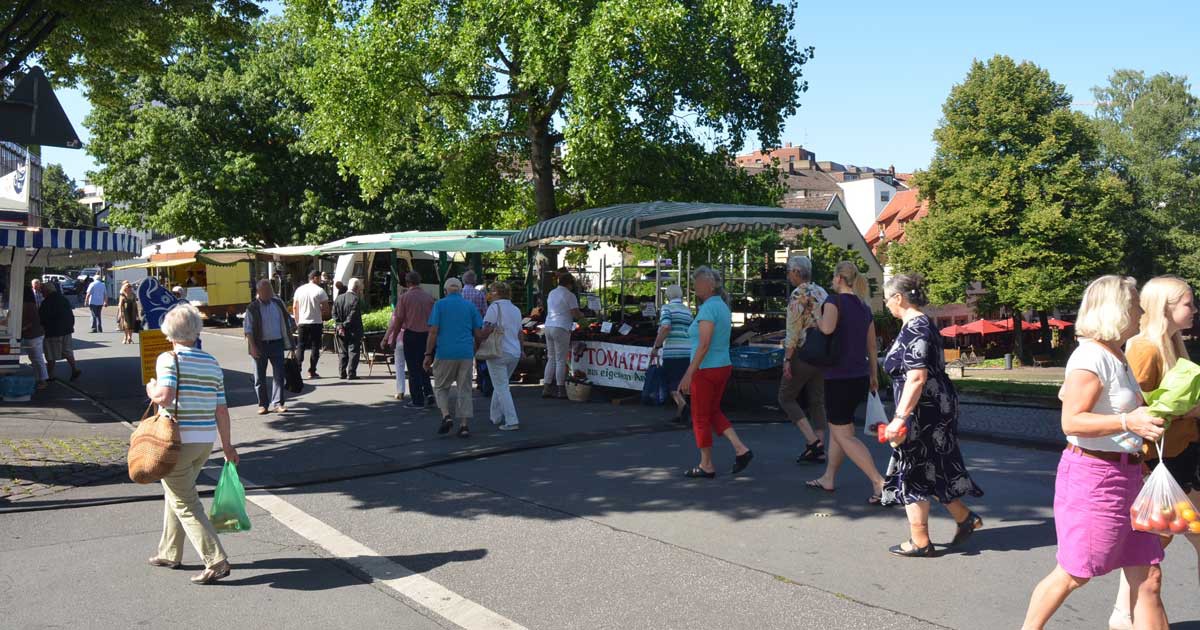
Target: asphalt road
x=551 y=527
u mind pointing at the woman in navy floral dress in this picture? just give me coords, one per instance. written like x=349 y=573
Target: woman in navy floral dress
x=926 y=464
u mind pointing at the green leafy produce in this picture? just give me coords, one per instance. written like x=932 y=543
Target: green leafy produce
x=1178 y=393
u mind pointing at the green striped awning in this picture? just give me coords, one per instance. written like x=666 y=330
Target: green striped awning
x=667 y=223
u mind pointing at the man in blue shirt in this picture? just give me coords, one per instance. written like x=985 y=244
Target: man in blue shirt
x=454 y=327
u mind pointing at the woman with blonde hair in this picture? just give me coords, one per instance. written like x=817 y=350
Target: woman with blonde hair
x=1100 y=472
x=127 y=312
x=1168 y=308
x=848 y=383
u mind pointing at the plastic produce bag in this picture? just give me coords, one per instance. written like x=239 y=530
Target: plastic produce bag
x=1179 y=391
x=654 y=390
x=228 y=512
x=1162 y=507
x=875 y=414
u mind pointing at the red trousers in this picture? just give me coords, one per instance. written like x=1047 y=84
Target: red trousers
x=708 y=387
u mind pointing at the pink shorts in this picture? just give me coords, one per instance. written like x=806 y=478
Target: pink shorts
x=1092 y=498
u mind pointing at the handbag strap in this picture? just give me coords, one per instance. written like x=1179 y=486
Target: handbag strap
x=178 y=385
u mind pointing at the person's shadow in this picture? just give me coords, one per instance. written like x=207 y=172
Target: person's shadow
x=318 y=574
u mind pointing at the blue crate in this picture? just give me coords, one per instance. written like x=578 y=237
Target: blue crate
x=756 y=357
x=17 y=388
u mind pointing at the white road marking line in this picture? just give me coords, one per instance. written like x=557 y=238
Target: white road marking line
x=438 y=599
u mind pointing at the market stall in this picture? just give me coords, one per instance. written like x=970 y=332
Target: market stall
x=616 y=353
x=218 y=281
x=24 y=247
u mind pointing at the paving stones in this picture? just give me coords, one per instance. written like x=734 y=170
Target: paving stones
x=40 y=466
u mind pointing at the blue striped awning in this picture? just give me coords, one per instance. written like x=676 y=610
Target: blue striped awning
x=82 y=245
x=666 y=223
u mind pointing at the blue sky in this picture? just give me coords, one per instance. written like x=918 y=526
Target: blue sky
x=883 y=70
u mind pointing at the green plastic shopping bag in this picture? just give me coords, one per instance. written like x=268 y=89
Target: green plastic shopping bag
x=1179 y=391
x=228 y=512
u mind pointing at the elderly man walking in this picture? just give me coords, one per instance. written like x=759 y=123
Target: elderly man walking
x=483 y=376
x=347 y=314
x=454 y=327
x=96 y=297
x=268 y=328
x=412 y=317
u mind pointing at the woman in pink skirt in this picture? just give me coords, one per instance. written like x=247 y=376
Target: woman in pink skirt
x=1100 y=473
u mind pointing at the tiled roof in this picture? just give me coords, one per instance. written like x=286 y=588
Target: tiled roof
x=904 y=208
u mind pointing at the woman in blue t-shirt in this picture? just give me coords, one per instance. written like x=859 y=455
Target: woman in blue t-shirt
x=710 y=369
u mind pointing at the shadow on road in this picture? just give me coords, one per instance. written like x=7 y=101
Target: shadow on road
x=313 y=574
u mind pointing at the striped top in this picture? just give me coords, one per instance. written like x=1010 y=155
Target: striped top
x=203 y=389
x=678 y=317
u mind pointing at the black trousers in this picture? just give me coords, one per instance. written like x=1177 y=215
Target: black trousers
x=310 y=339
x=419 y=386
x=348 y=354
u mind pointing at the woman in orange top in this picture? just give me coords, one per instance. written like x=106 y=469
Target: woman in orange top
x=1168 y=308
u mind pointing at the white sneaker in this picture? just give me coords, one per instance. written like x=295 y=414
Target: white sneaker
x=509 y=427
x=1120 y=620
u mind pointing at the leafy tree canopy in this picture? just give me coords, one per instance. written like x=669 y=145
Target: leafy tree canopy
x=1017 y=196
x=1150 y=133
x=94 y=41
x=60 y=200
x=494 y=87
x=210 y=148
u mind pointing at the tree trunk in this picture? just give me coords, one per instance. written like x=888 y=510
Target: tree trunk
x=542 y=165
x=1047 y=334
x=1018 y=334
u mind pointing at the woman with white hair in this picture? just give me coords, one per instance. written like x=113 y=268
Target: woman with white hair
x=1100 y=472
x=673 y=347
x=203 y=417
x=710 y=368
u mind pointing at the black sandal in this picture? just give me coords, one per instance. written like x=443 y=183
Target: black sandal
x=700 y=473
x=741 y=462
x=447 y=424
x=913 y=551
x=966 y=528
x=815 y=484
x=814 y=453
x=464 y=432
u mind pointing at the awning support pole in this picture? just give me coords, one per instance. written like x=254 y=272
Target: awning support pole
x=658 y=277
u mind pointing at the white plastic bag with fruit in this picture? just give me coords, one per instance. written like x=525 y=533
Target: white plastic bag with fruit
x=1162 y=507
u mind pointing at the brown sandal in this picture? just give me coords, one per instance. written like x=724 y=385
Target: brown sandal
x=155 y=561
x=213 y=573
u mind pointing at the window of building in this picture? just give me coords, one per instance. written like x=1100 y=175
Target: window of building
x=872 y=287
x=943 y=322
x=884 y=196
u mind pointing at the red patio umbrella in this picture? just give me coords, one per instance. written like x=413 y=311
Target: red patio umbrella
x=981 y=327
x=1059 y=324
x=951 y=331
x=1006 y=324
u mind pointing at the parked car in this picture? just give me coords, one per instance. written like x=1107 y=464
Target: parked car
x=90 y=272
x=53 y=277
x=68 y=286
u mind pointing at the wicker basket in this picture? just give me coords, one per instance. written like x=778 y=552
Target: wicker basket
x=579 y=392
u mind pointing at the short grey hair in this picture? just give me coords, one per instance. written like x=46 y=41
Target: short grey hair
x=468 y=277
x=182 y=324
x=801 y=265
x=674 y=292
x=501 y=289
x=713 y=276
x=412 y=278
x=51 y=287
x=453 y=285
x=355 y=285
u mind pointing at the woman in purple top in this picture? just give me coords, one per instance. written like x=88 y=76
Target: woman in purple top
x=847 y=383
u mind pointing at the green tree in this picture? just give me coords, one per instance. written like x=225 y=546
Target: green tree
x=1018 y=199
x=93 y=42
x=1150 y=134
x=495 y=87
x=60 y=200
x=211 y=148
